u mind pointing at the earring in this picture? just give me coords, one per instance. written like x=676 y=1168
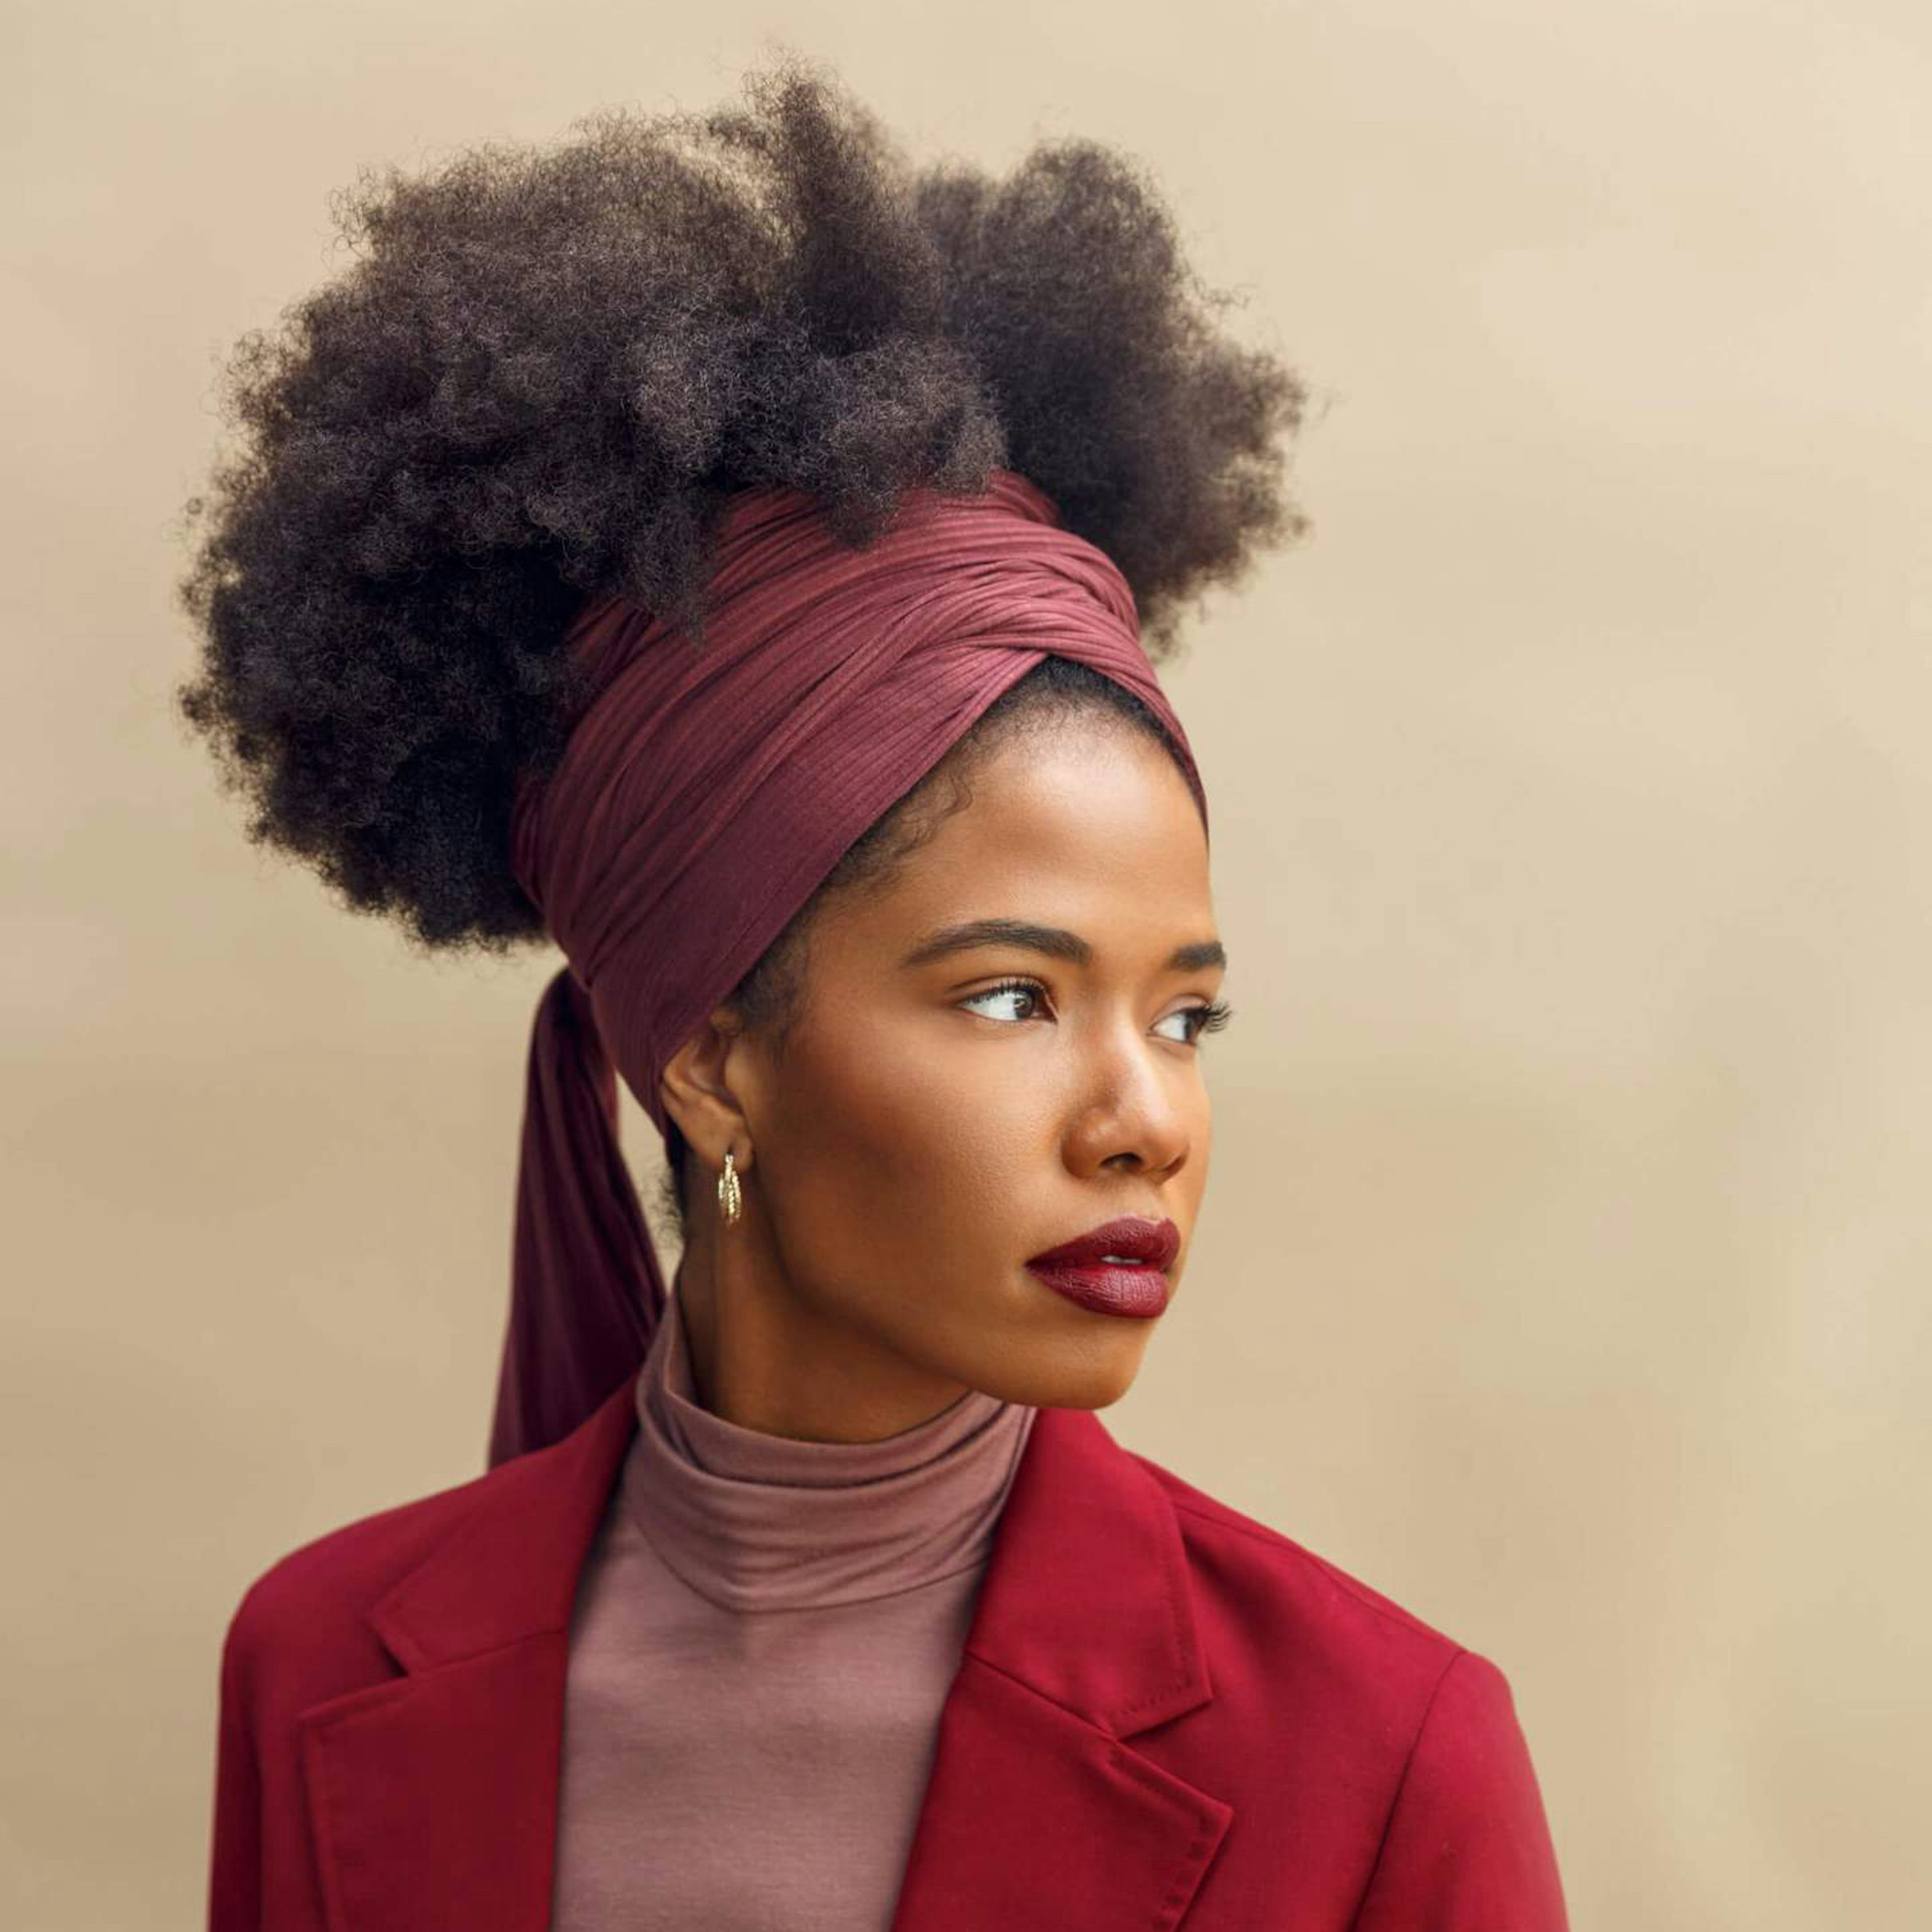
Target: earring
x=730 y=1196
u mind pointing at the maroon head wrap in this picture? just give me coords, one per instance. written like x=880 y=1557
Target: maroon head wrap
x=702 y=798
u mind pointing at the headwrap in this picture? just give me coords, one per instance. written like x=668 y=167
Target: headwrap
x=702 y=796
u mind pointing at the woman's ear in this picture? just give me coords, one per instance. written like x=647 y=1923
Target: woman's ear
x=698 y=1090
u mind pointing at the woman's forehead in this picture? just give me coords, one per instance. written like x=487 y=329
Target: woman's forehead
x=1102 y=839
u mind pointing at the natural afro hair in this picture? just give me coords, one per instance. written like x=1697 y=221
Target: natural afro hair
x=549 y=369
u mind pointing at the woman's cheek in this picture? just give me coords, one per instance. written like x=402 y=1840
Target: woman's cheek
x=899 y=1079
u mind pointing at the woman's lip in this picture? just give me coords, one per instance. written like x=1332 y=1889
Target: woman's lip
x=1141 y=1293
x=1153 y=1243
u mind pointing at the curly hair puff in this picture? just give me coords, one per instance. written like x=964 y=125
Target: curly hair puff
x=549 y=369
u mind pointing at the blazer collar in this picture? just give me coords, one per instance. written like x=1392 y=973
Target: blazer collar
x=433 y=1795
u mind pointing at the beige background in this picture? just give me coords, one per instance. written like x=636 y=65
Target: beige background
x=1565 y=1270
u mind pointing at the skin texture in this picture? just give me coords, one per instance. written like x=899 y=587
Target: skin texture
x=920 y=1135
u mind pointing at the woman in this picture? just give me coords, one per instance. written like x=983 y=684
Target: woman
x=725 y=552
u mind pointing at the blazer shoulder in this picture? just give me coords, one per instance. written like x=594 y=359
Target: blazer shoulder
x=302 y=1618
x=1289 y=1629
x=1404 y=1744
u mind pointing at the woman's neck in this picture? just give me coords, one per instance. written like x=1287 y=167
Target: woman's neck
x=762 y=1358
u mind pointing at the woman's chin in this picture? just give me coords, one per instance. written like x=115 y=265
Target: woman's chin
x=1091 y=1373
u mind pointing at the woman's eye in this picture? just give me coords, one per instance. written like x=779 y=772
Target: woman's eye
x=1209 y=1018
x=1029 y=999
x=1019 y=990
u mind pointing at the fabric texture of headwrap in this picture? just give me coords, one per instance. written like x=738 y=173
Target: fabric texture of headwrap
x=702 y=798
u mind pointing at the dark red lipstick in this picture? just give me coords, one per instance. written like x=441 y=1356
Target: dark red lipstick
x=1120 y=1268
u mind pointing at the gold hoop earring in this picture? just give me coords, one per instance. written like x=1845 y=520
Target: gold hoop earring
x=730 y=1196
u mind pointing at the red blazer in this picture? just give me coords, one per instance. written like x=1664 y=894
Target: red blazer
x=1166 y=1715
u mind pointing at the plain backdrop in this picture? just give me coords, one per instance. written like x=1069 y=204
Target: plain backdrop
x=1564 y=1273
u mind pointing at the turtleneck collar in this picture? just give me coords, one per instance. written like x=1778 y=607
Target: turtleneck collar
x=757 y=1522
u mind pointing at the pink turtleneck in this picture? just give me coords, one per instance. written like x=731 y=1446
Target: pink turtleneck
x=765 y=1631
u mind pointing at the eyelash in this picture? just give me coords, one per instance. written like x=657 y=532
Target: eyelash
x=1210 y=1018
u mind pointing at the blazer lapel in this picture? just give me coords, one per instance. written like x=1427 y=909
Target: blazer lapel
x=1038 y=1812
x=432 y=1796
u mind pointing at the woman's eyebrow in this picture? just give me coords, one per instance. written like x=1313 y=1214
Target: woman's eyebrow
x=1055 y=940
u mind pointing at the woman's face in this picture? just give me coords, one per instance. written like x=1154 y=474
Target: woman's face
x=942 y=1111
